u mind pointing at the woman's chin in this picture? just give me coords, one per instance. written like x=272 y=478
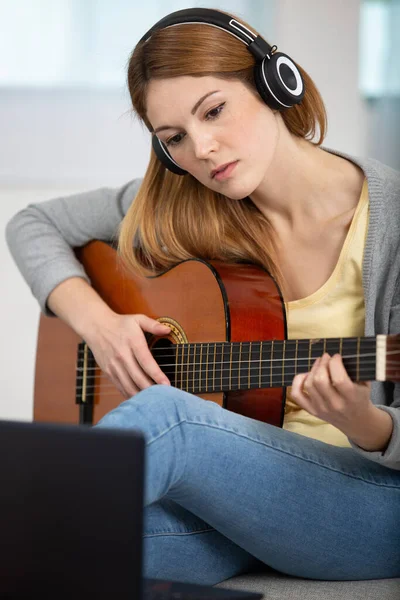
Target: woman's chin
x=230 y=188
x=238 y=192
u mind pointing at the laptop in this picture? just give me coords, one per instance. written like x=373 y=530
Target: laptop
x=71 y=516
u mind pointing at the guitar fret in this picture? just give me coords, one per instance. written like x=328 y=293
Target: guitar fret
x=283 y=363
x=260 y=367
x=272 y=359
x=222 y=363
x=201 y=365
x=208 y=349
x=248 y=384
x=192 y=350
x=176 y=364
x=188 y=369
x=215 y=358
x=230 y=368
x=196 y=365
x=240 y=364
x=183 y=352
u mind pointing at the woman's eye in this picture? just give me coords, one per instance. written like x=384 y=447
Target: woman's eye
x=174 y=141
x=215 y=112
x=212 y=114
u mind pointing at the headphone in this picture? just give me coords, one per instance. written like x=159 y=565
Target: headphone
x=278 y=80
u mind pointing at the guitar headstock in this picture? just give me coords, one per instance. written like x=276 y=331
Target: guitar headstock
x=393 y=358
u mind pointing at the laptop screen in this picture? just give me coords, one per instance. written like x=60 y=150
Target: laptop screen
x=71 y=507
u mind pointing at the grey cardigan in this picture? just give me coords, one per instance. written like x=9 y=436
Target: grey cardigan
x=41 y=238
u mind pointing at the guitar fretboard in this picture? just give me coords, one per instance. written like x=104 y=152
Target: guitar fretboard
x=224 y=366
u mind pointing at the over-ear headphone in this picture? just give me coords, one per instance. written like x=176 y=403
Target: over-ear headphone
x=277 y=78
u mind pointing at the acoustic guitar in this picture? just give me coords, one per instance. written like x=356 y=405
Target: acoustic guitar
x=227 y=343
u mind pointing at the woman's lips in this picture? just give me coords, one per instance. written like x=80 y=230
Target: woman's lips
x=225 y=173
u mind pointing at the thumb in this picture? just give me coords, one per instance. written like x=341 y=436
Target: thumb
x=298 y=382
x=162 y=327
x=151 y=325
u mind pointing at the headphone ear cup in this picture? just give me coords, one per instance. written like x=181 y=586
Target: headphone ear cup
x=262 y=87
x=279 y=81
x=164 y=156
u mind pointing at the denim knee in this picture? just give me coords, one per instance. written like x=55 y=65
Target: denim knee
x=159 y=406
x=153 y=403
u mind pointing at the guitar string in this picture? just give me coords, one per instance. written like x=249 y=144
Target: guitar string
x=256 y=361
x=175 y=348
x=187 y=373
x=301 y=344
x=188 y=376
x=227 y=355
x=198 y=384
x=111 y=390
x=255 y=372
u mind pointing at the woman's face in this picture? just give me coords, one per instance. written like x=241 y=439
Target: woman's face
x=207 y=122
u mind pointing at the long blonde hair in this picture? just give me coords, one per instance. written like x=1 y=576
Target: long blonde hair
x=174 y=218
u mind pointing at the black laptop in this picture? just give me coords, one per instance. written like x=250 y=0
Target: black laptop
x=71 y=516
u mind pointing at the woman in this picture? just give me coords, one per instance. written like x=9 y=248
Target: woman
x=235 y=122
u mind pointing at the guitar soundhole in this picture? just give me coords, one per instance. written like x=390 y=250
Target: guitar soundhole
x=164 y=351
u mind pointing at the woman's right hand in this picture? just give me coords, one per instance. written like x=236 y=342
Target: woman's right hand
x=121 y=351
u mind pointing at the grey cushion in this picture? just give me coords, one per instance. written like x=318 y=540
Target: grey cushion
x=276 y=586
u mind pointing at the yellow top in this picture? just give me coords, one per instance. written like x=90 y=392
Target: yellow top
x=335 y=310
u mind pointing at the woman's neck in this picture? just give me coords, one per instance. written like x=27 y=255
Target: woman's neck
x=305 y=184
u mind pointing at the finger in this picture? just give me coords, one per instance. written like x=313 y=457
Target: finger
x=299 y=395
x=339 y=377
x=122 y=381
x=308 y=381
x=151 y=325
x=321 y=378
x=317 y=386
x=148 y=364
x=298 y=384
x=136 y=373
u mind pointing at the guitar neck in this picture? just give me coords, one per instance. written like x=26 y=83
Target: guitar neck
x=205 y=367
x=229 y=366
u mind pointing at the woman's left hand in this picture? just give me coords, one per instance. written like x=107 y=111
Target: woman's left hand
x=327 y=392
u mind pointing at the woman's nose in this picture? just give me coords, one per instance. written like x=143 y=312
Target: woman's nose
x=203 y=145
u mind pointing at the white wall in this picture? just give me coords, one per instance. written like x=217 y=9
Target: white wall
x=88 y=142
x=323 y=36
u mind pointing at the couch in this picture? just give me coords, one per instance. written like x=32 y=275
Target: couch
x=276 y=586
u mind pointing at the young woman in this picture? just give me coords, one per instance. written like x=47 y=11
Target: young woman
x=238 y=173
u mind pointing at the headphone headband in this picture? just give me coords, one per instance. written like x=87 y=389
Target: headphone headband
x=206 y=16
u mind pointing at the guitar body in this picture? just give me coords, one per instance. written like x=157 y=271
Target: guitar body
x=201 y=302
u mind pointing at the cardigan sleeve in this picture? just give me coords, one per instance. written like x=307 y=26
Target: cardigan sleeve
x=41 y=237
x=389 y=401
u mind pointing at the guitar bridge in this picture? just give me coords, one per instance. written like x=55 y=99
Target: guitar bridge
x=85 y=382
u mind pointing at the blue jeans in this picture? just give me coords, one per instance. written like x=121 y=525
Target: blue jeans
x=225 y=494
